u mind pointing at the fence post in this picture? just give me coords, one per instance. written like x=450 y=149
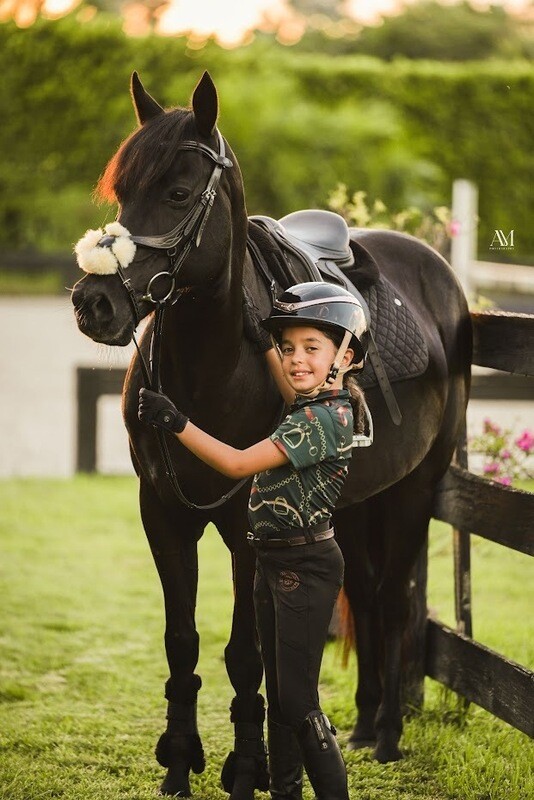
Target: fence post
x=92 y=383
x=87 y=392
x=465 y=222
x=462 y=559
x=413 y=693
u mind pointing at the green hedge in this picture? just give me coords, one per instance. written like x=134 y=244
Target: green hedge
x=298 y=123
x=471 y=121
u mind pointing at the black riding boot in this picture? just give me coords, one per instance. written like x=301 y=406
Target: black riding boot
x=285 y=762
x=322 y=758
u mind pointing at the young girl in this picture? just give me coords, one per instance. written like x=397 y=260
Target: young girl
x=320 y=331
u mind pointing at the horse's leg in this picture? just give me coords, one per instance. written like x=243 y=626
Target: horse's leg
x=406 y=510
x=355 y=536
x=173 y=542
x=245 y=768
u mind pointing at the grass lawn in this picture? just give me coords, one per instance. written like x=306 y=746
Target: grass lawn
x=83 y=667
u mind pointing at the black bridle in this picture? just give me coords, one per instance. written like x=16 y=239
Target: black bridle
x=178 y=243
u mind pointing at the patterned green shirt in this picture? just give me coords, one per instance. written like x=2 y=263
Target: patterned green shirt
x=316 y=436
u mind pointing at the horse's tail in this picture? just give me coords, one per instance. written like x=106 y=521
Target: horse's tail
x=345 y=629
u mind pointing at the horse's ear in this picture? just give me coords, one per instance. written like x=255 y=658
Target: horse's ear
x=205 y=105
x=145 y=106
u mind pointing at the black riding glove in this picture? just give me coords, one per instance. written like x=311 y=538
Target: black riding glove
x=157 y=409
x=252 y=324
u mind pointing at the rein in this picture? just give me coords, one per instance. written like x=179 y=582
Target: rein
x=187 y=233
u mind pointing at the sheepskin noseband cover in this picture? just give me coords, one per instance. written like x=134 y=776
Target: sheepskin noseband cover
x=102 y=251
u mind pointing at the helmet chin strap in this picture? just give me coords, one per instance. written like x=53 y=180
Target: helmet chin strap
x=334 y=371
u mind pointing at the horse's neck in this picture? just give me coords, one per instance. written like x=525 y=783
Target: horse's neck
x=202 y=336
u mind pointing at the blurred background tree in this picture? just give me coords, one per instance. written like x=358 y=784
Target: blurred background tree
x=425 y=30
x=439 y=32
x=332 y=9
x=398 y=109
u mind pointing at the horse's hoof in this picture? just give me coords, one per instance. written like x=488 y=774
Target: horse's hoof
x=245 y=780
x=362 y=735
x=176 y=784
x=385 y=752
x=359 y=744
x=240 y=777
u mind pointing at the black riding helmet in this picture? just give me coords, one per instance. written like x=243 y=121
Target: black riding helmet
x=324 y=306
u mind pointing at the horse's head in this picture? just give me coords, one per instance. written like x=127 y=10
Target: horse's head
x=181 y=215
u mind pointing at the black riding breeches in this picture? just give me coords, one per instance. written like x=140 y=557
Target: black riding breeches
x=295 y=590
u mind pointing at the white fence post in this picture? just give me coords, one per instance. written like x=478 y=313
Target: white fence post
x=464 y=240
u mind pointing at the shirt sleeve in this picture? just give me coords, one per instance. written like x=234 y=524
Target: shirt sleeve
x=307 y=436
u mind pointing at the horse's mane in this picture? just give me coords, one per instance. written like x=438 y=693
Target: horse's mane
x=145 y=156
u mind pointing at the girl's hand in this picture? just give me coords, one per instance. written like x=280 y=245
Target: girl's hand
x=157 y=409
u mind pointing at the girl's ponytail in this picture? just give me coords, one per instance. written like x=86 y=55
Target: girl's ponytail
x=357 y=399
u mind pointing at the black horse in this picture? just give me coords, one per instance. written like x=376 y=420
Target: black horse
x=166 y=172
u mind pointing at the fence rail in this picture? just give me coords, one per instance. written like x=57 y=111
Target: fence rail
x=497 y=513
x=486 y=678
x=504 y=341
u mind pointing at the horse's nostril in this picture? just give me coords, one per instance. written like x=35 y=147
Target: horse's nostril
x=101 y=308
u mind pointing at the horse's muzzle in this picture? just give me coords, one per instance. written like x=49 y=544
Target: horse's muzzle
x=97 y=317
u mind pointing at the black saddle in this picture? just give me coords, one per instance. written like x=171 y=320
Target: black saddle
x=314 y=236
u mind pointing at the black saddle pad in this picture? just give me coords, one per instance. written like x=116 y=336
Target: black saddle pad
x=397 y=334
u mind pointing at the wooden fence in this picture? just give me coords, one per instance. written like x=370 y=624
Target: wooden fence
x=91 y=384
x=497 y=513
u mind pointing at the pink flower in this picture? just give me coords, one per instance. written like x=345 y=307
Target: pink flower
x=492 y=468
x=505 y=480
x=525 y=441
x=505 y=454
x=491 y=427
x=454 y=227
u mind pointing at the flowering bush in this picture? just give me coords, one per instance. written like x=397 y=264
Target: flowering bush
x=504 y=458
x=435 y=226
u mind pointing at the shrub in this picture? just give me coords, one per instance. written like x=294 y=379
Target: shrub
x=506 y=457
x=434 y=226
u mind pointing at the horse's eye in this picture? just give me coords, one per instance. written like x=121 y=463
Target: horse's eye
x=179 y=195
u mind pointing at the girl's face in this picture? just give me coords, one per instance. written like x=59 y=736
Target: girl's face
x=307 y=355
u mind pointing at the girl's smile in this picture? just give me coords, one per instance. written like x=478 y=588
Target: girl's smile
x=307 y=355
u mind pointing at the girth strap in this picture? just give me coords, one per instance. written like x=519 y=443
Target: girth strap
x=383 y=380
